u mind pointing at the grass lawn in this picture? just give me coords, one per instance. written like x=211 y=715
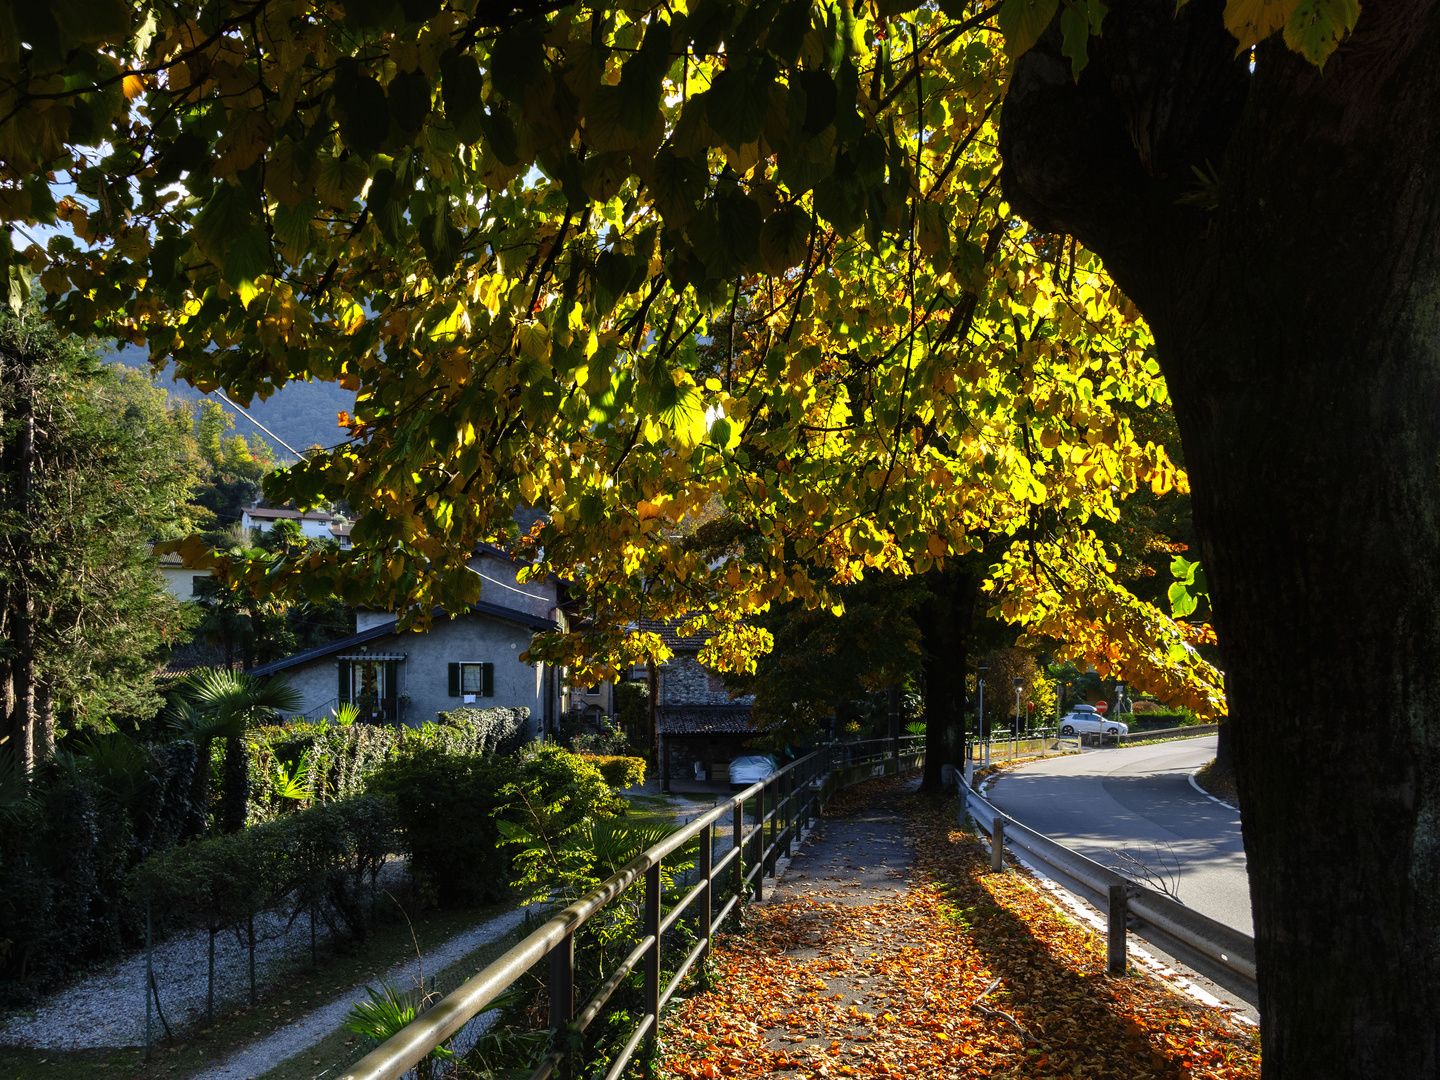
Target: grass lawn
x=291 y=999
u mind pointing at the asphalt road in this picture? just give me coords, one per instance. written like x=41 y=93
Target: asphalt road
x=1139 y=800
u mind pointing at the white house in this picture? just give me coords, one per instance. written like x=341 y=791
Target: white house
x=316 y=524
x=472 y=658
x=180 y=580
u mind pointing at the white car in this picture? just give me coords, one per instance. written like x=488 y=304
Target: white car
x=1083 y=719
x=744 y=771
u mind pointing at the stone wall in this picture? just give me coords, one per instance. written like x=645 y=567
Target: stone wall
x=685 y=681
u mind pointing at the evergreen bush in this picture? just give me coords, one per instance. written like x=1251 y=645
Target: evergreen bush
x=618 y=771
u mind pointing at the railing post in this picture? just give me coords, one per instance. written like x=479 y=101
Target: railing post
x=788 y=784
x=1116 y=917
x=738 y=842
x=997 y=844
x=760 y=844
x=562 y=1001
x=652 y=963
x=706 y=899
x=770 y=848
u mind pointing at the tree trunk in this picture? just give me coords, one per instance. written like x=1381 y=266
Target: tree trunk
x=235 y=795
x=22 y=721
x=1297 y=327
x=945 y=622
x=44 y=740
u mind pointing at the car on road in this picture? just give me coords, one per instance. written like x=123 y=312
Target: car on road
x=1084 y=720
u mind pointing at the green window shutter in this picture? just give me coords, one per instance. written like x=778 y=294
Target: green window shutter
x=454 y=680
x=344 y=694
x=487 y=680
x=391 y=667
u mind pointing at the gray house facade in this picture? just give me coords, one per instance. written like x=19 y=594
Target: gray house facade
x=470 y=659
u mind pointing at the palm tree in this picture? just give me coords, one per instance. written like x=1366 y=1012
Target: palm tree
x=219 y=704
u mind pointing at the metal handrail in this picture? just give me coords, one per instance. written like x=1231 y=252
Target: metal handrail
x=1233 y=950
x=795 y=793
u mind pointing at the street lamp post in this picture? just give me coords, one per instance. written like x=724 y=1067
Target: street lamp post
x=1019 y=687
x=980 y=719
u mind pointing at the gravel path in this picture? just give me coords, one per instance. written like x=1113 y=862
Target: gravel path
x=263 y=1055
x=108 y=1009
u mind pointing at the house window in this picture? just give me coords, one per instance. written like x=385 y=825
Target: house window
x=195 y=583
x=592 y=691
x=471 y=680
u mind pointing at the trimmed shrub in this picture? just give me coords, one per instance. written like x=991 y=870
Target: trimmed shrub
x=447 y=807
x=336 y=761
x=618 y=771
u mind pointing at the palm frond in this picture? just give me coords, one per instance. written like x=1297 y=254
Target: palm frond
x=291 y=783
x=232 y=694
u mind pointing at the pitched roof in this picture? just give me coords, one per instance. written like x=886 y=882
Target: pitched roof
x=387 y=629
x=706 y=720
x=275 y=513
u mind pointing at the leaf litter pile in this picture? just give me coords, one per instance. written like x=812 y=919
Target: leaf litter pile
x=962 y=973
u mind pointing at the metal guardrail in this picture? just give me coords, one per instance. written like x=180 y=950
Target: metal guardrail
x=864 y=751
x=1223 y=944
x=794 y=794
x=1169 y=733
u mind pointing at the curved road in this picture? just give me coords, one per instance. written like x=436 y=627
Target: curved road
x=1103 y=802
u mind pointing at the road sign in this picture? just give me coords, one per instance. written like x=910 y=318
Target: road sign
x=1100 y=707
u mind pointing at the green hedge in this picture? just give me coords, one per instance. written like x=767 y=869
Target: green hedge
x=335 y=761
x=448 y=805
x=618 y=771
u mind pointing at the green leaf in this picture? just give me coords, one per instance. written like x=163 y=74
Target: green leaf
x=784 y=239
x=787 y=32
x=1075 y=39
x=516 y=61
x=737 y=102
x=682 y=408
x=1022 y=22
x=641 y=77
x=359 y=100
x=292 y=227
x=725 y=434
x=441 y=241
x=1317 y=27
x=1077 y=23
x=726 y=235
x=247 y=259
x=677 y=184
x=91 y=20
x=461 y=85
x=1181 y=602
x=409 y=96
x=820 y=101
x=225 y=218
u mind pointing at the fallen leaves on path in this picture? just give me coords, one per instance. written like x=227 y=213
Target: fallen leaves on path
x=968 y=973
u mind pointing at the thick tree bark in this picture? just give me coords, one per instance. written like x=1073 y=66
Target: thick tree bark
x=945 y=623
x=1298 y=326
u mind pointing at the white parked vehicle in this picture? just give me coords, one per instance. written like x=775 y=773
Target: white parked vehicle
x=1084 y=720
x=744 y=771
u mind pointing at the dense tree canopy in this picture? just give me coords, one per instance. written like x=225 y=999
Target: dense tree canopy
x=618 y=265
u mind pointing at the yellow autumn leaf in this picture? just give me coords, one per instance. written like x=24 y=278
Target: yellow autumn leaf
x=1252 y=21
